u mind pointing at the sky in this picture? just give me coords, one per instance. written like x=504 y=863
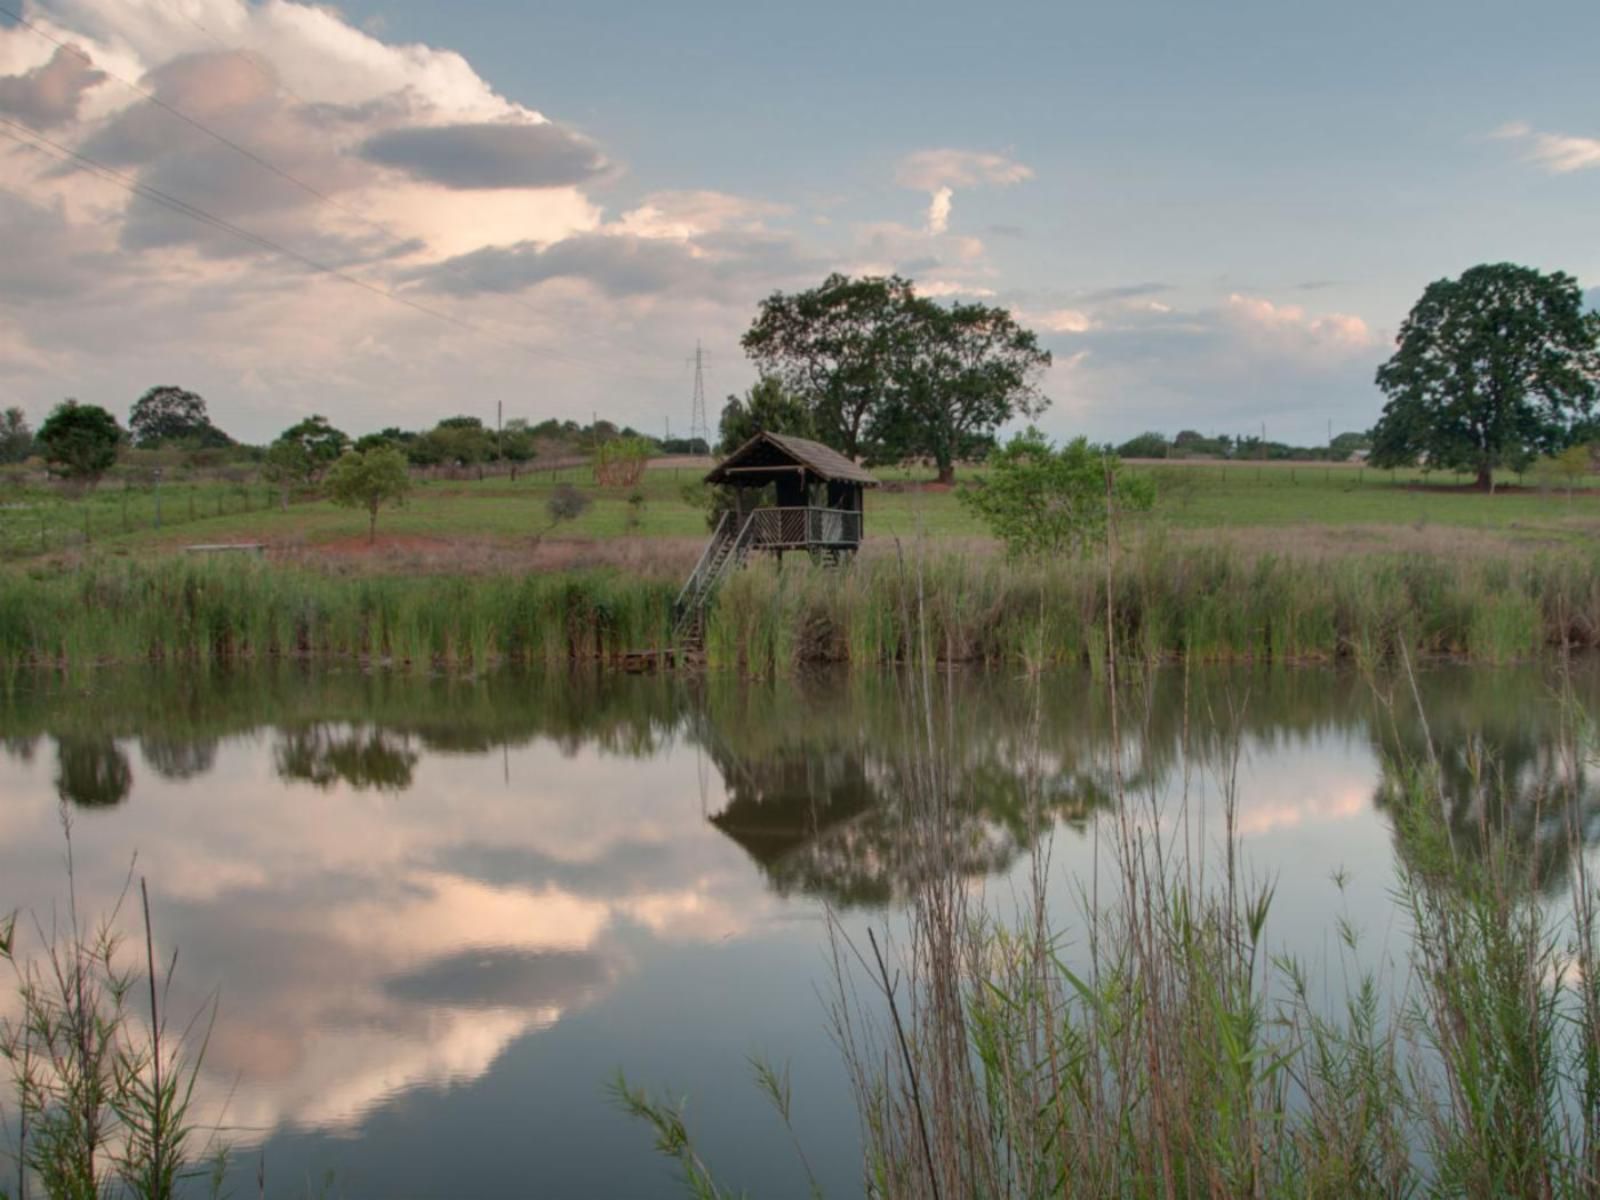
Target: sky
x=1214 y=216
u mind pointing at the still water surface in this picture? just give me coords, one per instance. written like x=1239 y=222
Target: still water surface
x=440 y=914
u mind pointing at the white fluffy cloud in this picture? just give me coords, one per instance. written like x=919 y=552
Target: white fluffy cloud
x=396 y=164
x=1290 y=329
x=1125 y=361
x=940 y=172
x=939 y=210
x=538 y=255
x=1558 y=153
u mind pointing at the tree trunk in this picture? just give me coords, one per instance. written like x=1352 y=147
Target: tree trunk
x=947 y=472
x=372 y=526
x=1485 y=481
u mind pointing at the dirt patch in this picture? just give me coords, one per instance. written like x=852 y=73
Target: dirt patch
x=411 y=554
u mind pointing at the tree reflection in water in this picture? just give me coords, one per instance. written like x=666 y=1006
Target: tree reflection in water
x=1511 y=760
x=366 y=759
x=92 y=772
x=818 y=773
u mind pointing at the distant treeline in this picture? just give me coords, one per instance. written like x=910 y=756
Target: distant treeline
x=169 y=427
x=1190 y=443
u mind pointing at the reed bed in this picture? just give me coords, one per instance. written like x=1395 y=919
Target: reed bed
x=199 y=612
x=1167 y=603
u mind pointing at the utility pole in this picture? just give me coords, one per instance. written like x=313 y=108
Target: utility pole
x=699 y=424
x=499 y=431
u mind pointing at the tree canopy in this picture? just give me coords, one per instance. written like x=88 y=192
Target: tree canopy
x=1041 y=499
x=369 y=480
x=168 y=414
x=1490 y=369
x=767 y=407
x=837 y=346
x=320 y=441
x=80 y=441
x=885 y=374
x=969 y=370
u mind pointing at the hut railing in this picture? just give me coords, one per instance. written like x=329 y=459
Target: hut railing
x=806 y=526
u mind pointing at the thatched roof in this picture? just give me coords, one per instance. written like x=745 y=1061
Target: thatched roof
x=781 y=449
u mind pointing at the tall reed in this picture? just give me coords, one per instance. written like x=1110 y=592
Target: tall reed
x=102 y=1096
x=1158 y=1046
x=1165 y=603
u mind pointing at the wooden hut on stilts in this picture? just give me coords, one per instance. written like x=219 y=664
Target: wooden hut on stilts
x=790 y=493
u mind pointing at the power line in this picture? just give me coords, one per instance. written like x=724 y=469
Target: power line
x=41 y=144
x=194 y=123
x=266 y=164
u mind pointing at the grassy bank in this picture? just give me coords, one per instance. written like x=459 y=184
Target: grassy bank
x=1195 y=603
x=1284 y=500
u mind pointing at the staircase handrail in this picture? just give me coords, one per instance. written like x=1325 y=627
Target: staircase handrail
x=705 y=557
x=737 y=549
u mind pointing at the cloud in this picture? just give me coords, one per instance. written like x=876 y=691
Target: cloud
x=50 y=95
x=1240 y=360
x=623 y=265
x=617 y=264
x=688 y=214
x=500 y=155
x=940 y=172
x=1126 y=291
x=937 y=289
x=43 y=260
x=930 y=170
x=1289 y=327
x=1557 y=153
x=1061 y=320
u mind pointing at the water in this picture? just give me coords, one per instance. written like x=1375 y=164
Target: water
x=437 y=916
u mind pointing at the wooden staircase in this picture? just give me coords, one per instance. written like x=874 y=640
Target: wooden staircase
x=726 y=551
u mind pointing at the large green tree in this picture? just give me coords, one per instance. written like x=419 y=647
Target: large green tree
x=80 y=441
x=965 y=371
x=767 y=406
x=169 y=414
x=1490 y=369
x=885 y=374
x=839 y=347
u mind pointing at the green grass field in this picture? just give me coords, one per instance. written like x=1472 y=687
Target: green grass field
x=1349 y=502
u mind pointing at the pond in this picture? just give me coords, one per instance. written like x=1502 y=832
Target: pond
x=438 y=915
